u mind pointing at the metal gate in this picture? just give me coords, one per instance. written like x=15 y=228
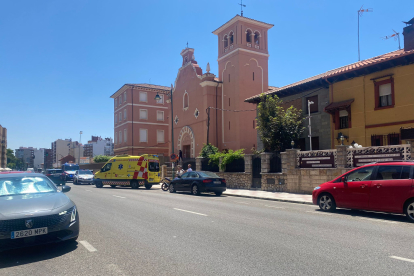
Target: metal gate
x=256 y=169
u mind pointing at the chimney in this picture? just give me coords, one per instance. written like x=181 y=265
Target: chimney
x=408 y=33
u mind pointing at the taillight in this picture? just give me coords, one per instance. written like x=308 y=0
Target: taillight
x=48 y=174
x=223 y=180
x=207 y=180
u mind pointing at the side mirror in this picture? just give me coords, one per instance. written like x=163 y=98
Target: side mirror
x=65 y=189
x=343 y=179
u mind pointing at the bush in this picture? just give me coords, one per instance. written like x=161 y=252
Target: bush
x=208 y=150
x=101 y=158
x=228 y=157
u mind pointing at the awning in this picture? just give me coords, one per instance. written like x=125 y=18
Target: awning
x=333 y=107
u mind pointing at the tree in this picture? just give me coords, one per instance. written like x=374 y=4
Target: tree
x=277 y=127
x=13 y=162
x=101 y=158
x=208 y=149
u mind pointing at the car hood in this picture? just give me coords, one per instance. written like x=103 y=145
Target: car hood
x=70 y=172
x=86 y=176
x=32 y=204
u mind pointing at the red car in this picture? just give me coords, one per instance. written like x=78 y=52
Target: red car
x=382 y=186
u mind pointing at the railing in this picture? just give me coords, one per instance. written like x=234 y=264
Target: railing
x=317 y=159
x=206 y=166
x=275 y=163
x=360 y=156
x=236 y=166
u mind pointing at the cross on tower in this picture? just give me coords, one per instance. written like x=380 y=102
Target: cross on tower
x=241 y=7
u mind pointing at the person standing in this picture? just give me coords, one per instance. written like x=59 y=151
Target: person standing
x=180 y=155
x=189 y=168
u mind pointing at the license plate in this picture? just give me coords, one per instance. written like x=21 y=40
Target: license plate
x=151 y=179
x=28 y=233
x=217 y=182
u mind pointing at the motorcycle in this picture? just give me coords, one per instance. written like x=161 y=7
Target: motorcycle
x=165 y=184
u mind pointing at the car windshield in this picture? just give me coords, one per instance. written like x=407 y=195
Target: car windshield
x=154 y=166
x=208 y=174
x=19 y=185
x=71 y=168
x=85 y=172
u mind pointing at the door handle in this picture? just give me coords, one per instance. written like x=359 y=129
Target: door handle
x=378 y=185
x=362 y=186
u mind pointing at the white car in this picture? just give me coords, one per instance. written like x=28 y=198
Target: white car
x=83 y=177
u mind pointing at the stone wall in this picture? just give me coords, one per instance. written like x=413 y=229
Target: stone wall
x=237 y=180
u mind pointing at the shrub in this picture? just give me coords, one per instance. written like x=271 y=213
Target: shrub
x=208 y=150
x=228 y=157
x=101 y=158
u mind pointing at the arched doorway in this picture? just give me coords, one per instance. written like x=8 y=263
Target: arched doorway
x=186 y=142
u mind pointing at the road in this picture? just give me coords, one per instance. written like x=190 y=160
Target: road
x=151 y=232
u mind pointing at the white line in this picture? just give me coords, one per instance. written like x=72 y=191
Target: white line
x=87 y=190
x=275 y=207
x=88 y=246
x=118 y=196
x=402 y=259
x=379 y=220
x=191 y=212
x=242 y=202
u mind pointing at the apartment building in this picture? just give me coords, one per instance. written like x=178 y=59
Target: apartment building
x=26 y=154
x=141 y=123
x=98 y=146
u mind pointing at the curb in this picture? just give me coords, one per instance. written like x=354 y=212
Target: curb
x=273 y=199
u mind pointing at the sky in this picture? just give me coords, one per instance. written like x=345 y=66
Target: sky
x=60 y=61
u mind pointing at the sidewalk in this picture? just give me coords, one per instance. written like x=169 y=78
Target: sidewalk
x=277 y=196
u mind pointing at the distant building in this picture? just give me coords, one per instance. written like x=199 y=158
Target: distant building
x=48 y=159
x=98 y=146
x=26 y=154
x=3 y=147
x=141 y=123
x=60 y=149
x=39 y=157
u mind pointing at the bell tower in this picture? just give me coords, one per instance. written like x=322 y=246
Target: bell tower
x=243 y=68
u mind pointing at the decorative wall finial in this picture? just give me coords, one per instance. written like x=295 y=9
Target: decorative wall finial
x=208 y=67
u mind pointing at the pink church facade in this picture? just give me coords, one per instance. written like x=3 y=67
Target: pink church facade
x=212 y=108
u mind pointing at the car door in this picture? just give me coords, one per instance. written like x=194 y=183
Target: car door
x=354 y=192
x=179 y=183
x=106 y=171
x=390 y=188
x=193 y=177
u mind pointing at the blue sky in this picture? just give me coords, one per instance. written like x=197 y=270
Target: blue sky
x=61 y=60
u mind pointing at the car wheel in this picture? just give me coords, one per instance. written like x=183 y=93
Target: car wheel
x=172 y=188
x=148 y=186
x=113 y=186
x=218 y=193
x=164 y=187
x=409 y=210
x=98 y=184
x=326 y=203
x=134 y=184
x=195 y=190
x=75 y=182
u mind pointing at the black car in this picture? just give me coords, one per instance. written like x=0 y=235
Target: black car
x=198 y=182
x=33 y=211
x=55 y=175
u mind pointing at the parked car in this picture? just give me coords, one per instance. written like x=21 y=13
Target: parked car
x=31 y=170
x=198 y=182
x=382 y=186
x=83 y=177
x=55 y=175
x=33 y=211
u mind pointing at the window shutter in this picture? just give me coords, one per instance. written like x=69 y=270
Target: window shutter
x=143 y=114
x=343 y=113
x=143 y=135
x=142 y=97
x=125 y=135
x=337 y=120
x=160 y=116
x=160 y=136
x=385 y=89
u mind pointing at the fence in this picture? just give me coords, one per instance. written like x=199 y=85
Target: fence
x=236 y=166
x=206 y=166
x=275 y=163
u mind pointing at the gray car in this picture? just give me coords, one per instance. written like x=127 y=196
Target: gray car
x=83 y=177
x=33 y=211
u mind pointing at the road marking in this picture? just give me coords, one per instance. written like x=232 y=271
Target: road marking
x=119 y=196
x=88 y=246
x=402 y=259
x=379 y=220
x=88 y=190
x=319 y=213
x=274 y=207
x=191 y=212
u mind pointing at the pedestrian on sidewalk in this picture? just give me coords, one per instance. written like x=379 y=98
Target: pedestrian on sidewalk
x=189 y=168
x=180 y=155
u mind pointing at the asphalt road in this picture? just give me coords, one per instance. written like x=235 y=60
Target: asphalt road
x=151 y=232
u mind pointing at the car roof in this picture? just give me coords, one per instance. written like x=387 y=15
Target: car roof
x=395 y=162
x=17 y=173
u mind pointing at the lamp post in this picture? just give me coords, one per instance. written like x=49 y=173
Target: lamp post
x=157 y=98
x=309 y=126
x=342 y=140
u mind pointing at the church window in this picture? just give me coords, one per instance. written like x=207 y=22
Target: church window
x=185 y=100
x=249 y=36
x=185 y=59
x=231 y=37
x=226 y=41
x=257 y=38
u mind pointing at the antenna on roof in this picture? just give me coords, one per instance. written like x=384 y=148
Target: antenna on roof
x=360 y=13
x=241 y=7
x=396 y=36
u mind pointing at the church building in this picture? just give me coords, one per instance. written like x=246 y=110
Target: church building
x=211 y=108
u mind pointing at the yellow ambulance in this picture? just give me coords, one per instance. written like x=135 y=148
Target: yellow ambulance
x=127 y=170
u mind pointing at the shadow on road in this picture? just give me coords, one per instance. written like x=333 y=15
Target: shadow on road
x=22 y=256
x=370 y=215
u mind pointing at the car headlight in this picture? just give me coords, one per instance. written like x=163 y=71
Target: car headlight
x=317 y=188
x=73 y=216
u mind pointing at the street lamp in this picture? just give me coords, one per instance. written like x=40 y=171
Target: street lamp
x=157 y=98
x=342 y=140
x=292 y=143
x=309 y=126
